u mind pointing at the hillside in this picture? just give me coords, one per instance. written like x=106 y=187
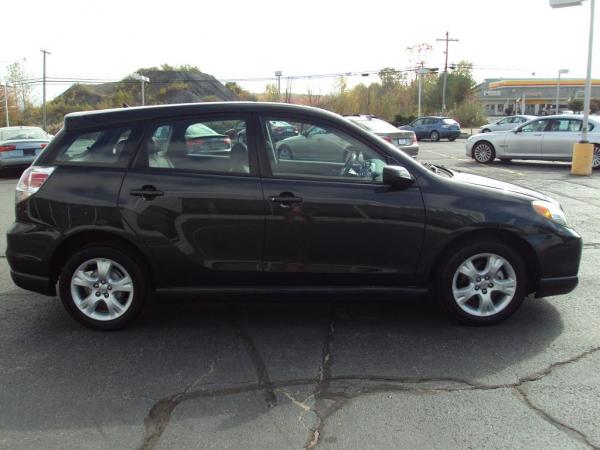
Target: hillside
x=167 y=85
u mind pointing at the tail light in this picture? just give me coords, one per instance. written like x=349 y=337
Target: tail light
x=387 y=138
x=7 y=148
x=31 y=181
x=414 y=138
x=227 y=141
x=43 y=145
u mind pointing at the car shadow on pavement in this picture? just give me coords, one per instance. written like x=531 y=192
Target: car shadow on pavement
x=186 y=350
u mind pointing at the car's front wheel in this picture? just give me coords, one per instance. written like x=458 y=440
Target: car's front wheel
x=482 y=283
x=102 y=287
x=596 y=157
x=483 y=152
x=452 y=138
x=434 y=136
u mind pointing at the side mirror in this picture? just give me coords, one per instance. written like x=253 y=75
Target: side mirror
x=397 y=176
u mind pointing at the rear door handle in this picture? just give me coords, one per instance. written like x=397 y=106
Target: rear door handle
x=285 y=199
x=146 y=192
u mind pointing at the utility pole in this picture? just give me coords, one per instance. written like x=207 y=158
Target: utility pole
x=45 y=52
x=6 y=102
x=421 y=71
x=447 y=40
x=278 y=74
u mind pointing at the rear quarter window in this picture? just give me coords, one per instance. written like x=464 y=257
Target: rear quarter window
x=107 y=147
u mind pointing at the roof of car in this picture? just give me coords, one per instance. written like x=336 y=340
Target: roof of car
x=89 y=119
x=21 y=127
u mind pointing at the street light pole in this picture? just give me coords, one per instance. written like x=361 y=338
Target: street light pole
x=44 y=91
x=278 y=74
x=583 y=151
x=560 y=72
x=588 y=80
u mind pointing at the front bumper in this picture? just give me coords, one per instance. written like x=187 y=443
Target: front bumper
x=556 y=286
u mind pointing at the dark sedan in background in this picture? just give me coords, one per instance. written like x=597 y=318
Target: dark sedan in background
x=20 y=145
x=434 y=128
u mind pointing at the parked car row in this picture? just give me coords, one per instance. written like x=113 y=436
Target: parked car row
x=354 y=214
x=548 y=138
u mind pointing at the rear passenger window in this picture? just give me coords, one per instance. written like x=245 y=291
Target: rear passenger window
x=101 y=147
x=211 y=146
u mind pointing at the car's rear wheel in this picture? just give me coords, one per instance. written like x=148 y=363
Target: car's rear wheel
x=452 y=139
x=483 y=152
x=596 y=157
x=102 y=287
x=434 y=136
x=285 y=153
x=482 y=283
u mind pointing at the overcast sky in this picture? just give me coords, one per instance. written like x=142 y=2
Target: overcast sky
x=245 y=39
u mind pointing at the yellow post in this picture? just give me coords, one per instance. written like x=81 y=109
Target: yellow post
x=582 y=158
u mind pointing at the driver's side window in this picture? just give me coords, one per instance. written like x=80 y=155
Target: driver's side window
x=301 y=149
x=535 y=126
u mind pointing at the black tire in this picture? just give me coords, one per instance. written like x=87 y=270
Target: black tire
x=434 y=136
x=285 y=149
x=483 y=152
x=596 y=157
x=455 y=257
x=452 y=139
x=505 y=160
x=130 y=264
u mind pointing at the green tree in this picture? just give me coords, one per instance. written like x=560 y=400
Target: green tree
x=576 y=105
x=470 y=113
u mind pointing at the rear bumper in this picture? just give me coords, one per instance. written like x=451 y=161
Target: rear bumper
x=449 y=133
x=556 y=286
x=33 y=283
x=411 y=150
x=17 y=162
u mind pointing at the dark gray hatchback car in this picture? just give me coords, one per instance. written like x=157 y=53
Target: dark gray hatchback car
x=121 y=205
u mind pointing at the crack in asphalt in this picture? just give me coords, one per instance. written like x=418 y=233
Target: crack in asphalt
x=327 y=402
x=262 y=373
x=572 y=432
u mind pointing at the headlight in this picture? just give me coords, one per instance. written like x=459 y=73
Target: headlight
x=550 y=211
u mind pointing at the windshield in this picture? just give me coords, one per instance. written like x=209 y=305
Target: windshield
x=23 y=133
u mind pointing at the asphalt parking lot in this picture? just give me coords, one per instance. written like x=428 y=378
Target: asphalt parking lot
x=282 y=374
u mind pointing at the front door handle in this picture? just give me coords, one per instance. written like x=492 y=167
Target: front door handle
x=285 y=199
x=146 y=192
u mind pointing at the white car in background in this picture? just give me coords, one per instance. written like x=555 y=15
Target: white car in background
x=506 y=123
x=549 y=138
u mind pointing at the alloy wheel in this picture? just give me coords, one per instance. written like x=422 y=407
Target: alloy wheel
x=483 y=152
x=102 y=289
x=484 y=284
x=596 y=157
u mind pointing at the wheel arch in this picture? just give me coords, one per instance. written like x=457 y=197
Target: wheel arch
x=88 y=238
x=487 y=141
x=517 y=243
